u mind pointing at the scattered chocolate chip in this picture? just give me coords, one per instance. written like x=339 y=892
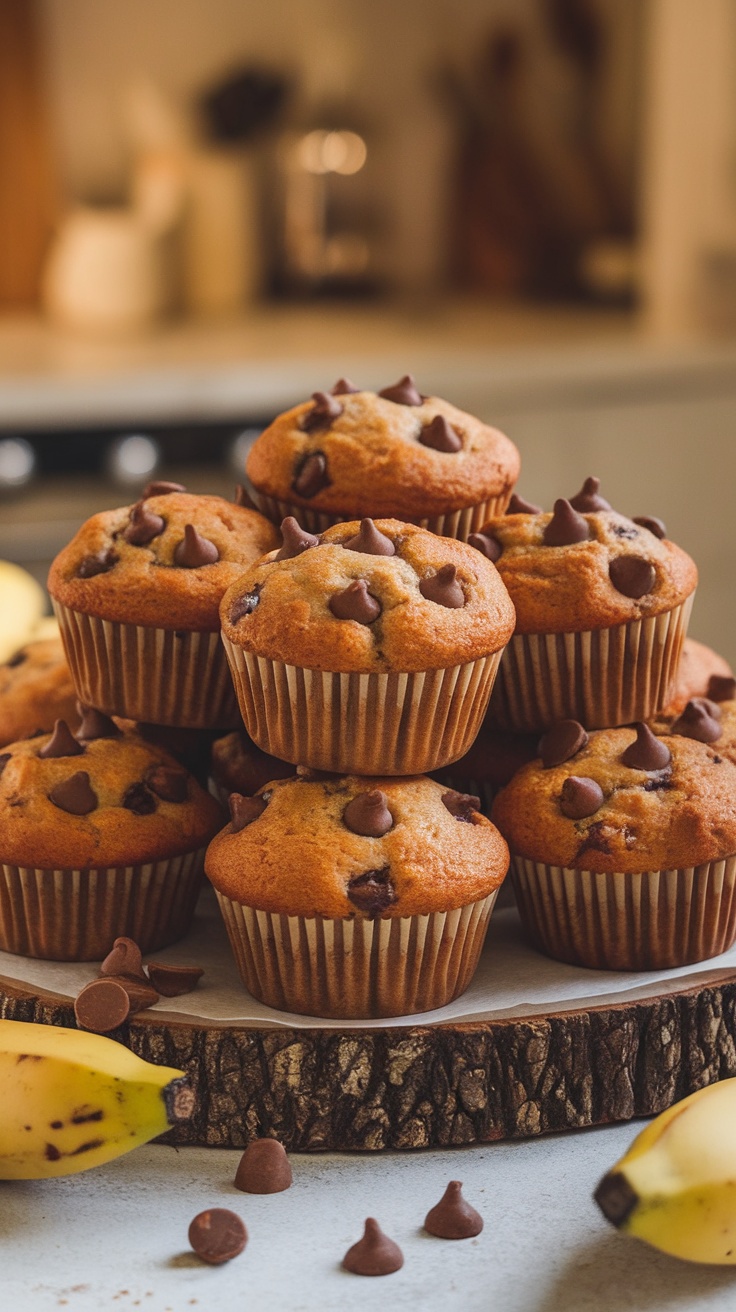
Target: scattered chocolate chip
x=368 y=814
x=217 y=1235
x=403 y=393
x=17 y=659
x=580 y=797
x=698 y=722
x=323 y=413
x=4 y=758
x=443 y=588
x=561 y=742
x=439 y=435
x=646 y=752
x=97 y=564
x=373 y=1255
x=194 y=550
x=462 y=805
x=173 y=981
x=74 y=795
x=311 y=475
x=487 y=545
x=141 y=993
x=721 y=688
x=124 y=958
x=370 y=541
x=160 y=488
x=139 y=799
x=244 y=810
x=295 y=539
x=344 y=387
x=355 y=602
x=372 y=893
x=632 y=576
x=143 y=526
x=101 y=1006
x=452 y=1217
x=566 y=526
x=61 y=743
x=245 y=605
x=518 y=506
x=587 y=499
x=655 y=526
x=168 y=782
x=95 y=724
x=243 y=498
x=264 y=1168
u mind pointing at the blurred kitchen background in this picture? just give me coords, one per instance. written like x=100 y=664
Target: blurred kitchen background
x=211 y=208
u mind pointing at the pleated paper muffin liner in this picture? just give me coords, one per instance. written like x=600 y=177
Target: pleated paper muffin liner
x=452 y=524
x=362 y=723
x=172 y=677
x=75 y=915
x=601 y=677
x=650 y=921
x=356 y=969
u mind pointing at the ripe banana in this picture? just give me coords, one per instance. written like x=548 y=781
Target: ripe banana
x=676 y=1186
x=70 y=1100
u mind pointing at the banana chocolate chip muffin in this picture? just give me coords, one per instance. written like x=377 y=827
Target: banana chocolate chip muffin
x=623 y=847
x=395 y=454
x=698 y=666
x=137 y=593
x=371 y=648
x=356 y=897
x=36 y=689
x=101 y=835
x=602 y=606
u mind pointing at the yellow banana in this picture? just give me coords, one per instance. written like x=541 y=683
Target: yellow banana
x=676 y=1186
x=70 y=1100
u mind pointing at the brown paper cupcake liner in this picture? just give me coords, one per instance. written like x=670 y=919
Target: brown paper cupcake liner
x=356 y=969
x=161 y=676
x=452 y=524
x=650 y=921
x=362 y=723
x=75 y=915
x=601 y=677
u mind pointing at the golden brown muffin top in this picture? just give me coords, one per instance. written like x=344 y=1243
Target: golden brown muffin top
x=343 y=847
x=362 y=453
x=239 y=766
x=35 y=690
x=164 y=561
x=626 y=800
x=696 y=667
x=581 y=568
x=98 y=801
x=433 y=603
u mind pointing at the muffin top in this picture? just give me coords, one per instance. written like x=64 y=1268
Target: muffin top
x=620 y=800
x=697 y=666
x=164 y=561
x=393 y=453
x=36 y=689
x=102 y=798
x=585 y=566
x=238 y=766
x=344 y=847
x=336 y=602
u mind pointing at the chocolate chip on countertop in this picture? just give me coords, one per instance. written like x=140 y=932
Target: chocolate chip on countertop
x=518 y=506
x=443 y=588
x=452 y=1217
x=486 y=544
x=632 y=576
x=323 y=413
x=74 y=795
x=372 y=892
x=311 y=475
x=699 y=721
x=403 y=393
x=141 y=992
x=587 y=500
x=143 y=526
x=245 y=605
x=99 y=563
x=101 y=1006
x=139 y=799
x=375 y=1254
x=655 y=526
x=368 y=814
x=194 y=550
x=646 y=752
x=370 y=541
x=355 y=602
x=95 y=724
x=264 y=1168
x=217 y=1235
x=243 y=498
x=344 y=387
x=580 y=797
x=566 y=526
x=294 y=539
x=124 y=958
x=462 y=805
x=61 y=743
x=244 y=810
x=168 y=782
x=173 y=981
x=561 y=742
x=721 y=688
x=160 y=488
x=439 y=435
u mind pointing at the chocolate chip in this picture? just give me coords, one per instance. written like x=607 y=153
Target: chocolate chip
x=518 y=506
x=244 y=810
x=655 y=526
x=355 y=602
x=173 y=981
x=373 y=892
x=194 y=550
x=323 y=413
x=452 y=1217
x=488 y=546
x=168 y=782
x=124 y=958
x=217 y=1235
x=439 y=435
x=160 y=488
x=587 y=499
x=580 y=797
x=245 y=605
x=697 y=721
x=721 y=688
x=462 y=805
x=144 y=526
x=560 y=743
x=566 y=526
x=403 y=393
x=61 y=743
x=74 y=795
x=100 y=563
x=295 y=539
x=95 y=724
x=370 y=541
x=344 y=387
x=243 y=498
x=368 y=814
x=264 y=1168
x=4 y=758
x=139 y=799
x=102 y=1006
x=311 y=475
x=18 y=659
x=141 y=993
x=373 y=1255
x=632 y=576
x=443 y=588
x=646 y=752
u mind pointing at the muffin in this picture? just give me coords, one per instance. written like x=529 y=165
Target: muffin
x=393 y=454
x=623 y=848
x=137 y=593
x=697 y=666
x=238 y=766
x=354 y=897
x=602 y=606
x=101 y=835
x=489 y=763
x=370 y=649
x=36 y=689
